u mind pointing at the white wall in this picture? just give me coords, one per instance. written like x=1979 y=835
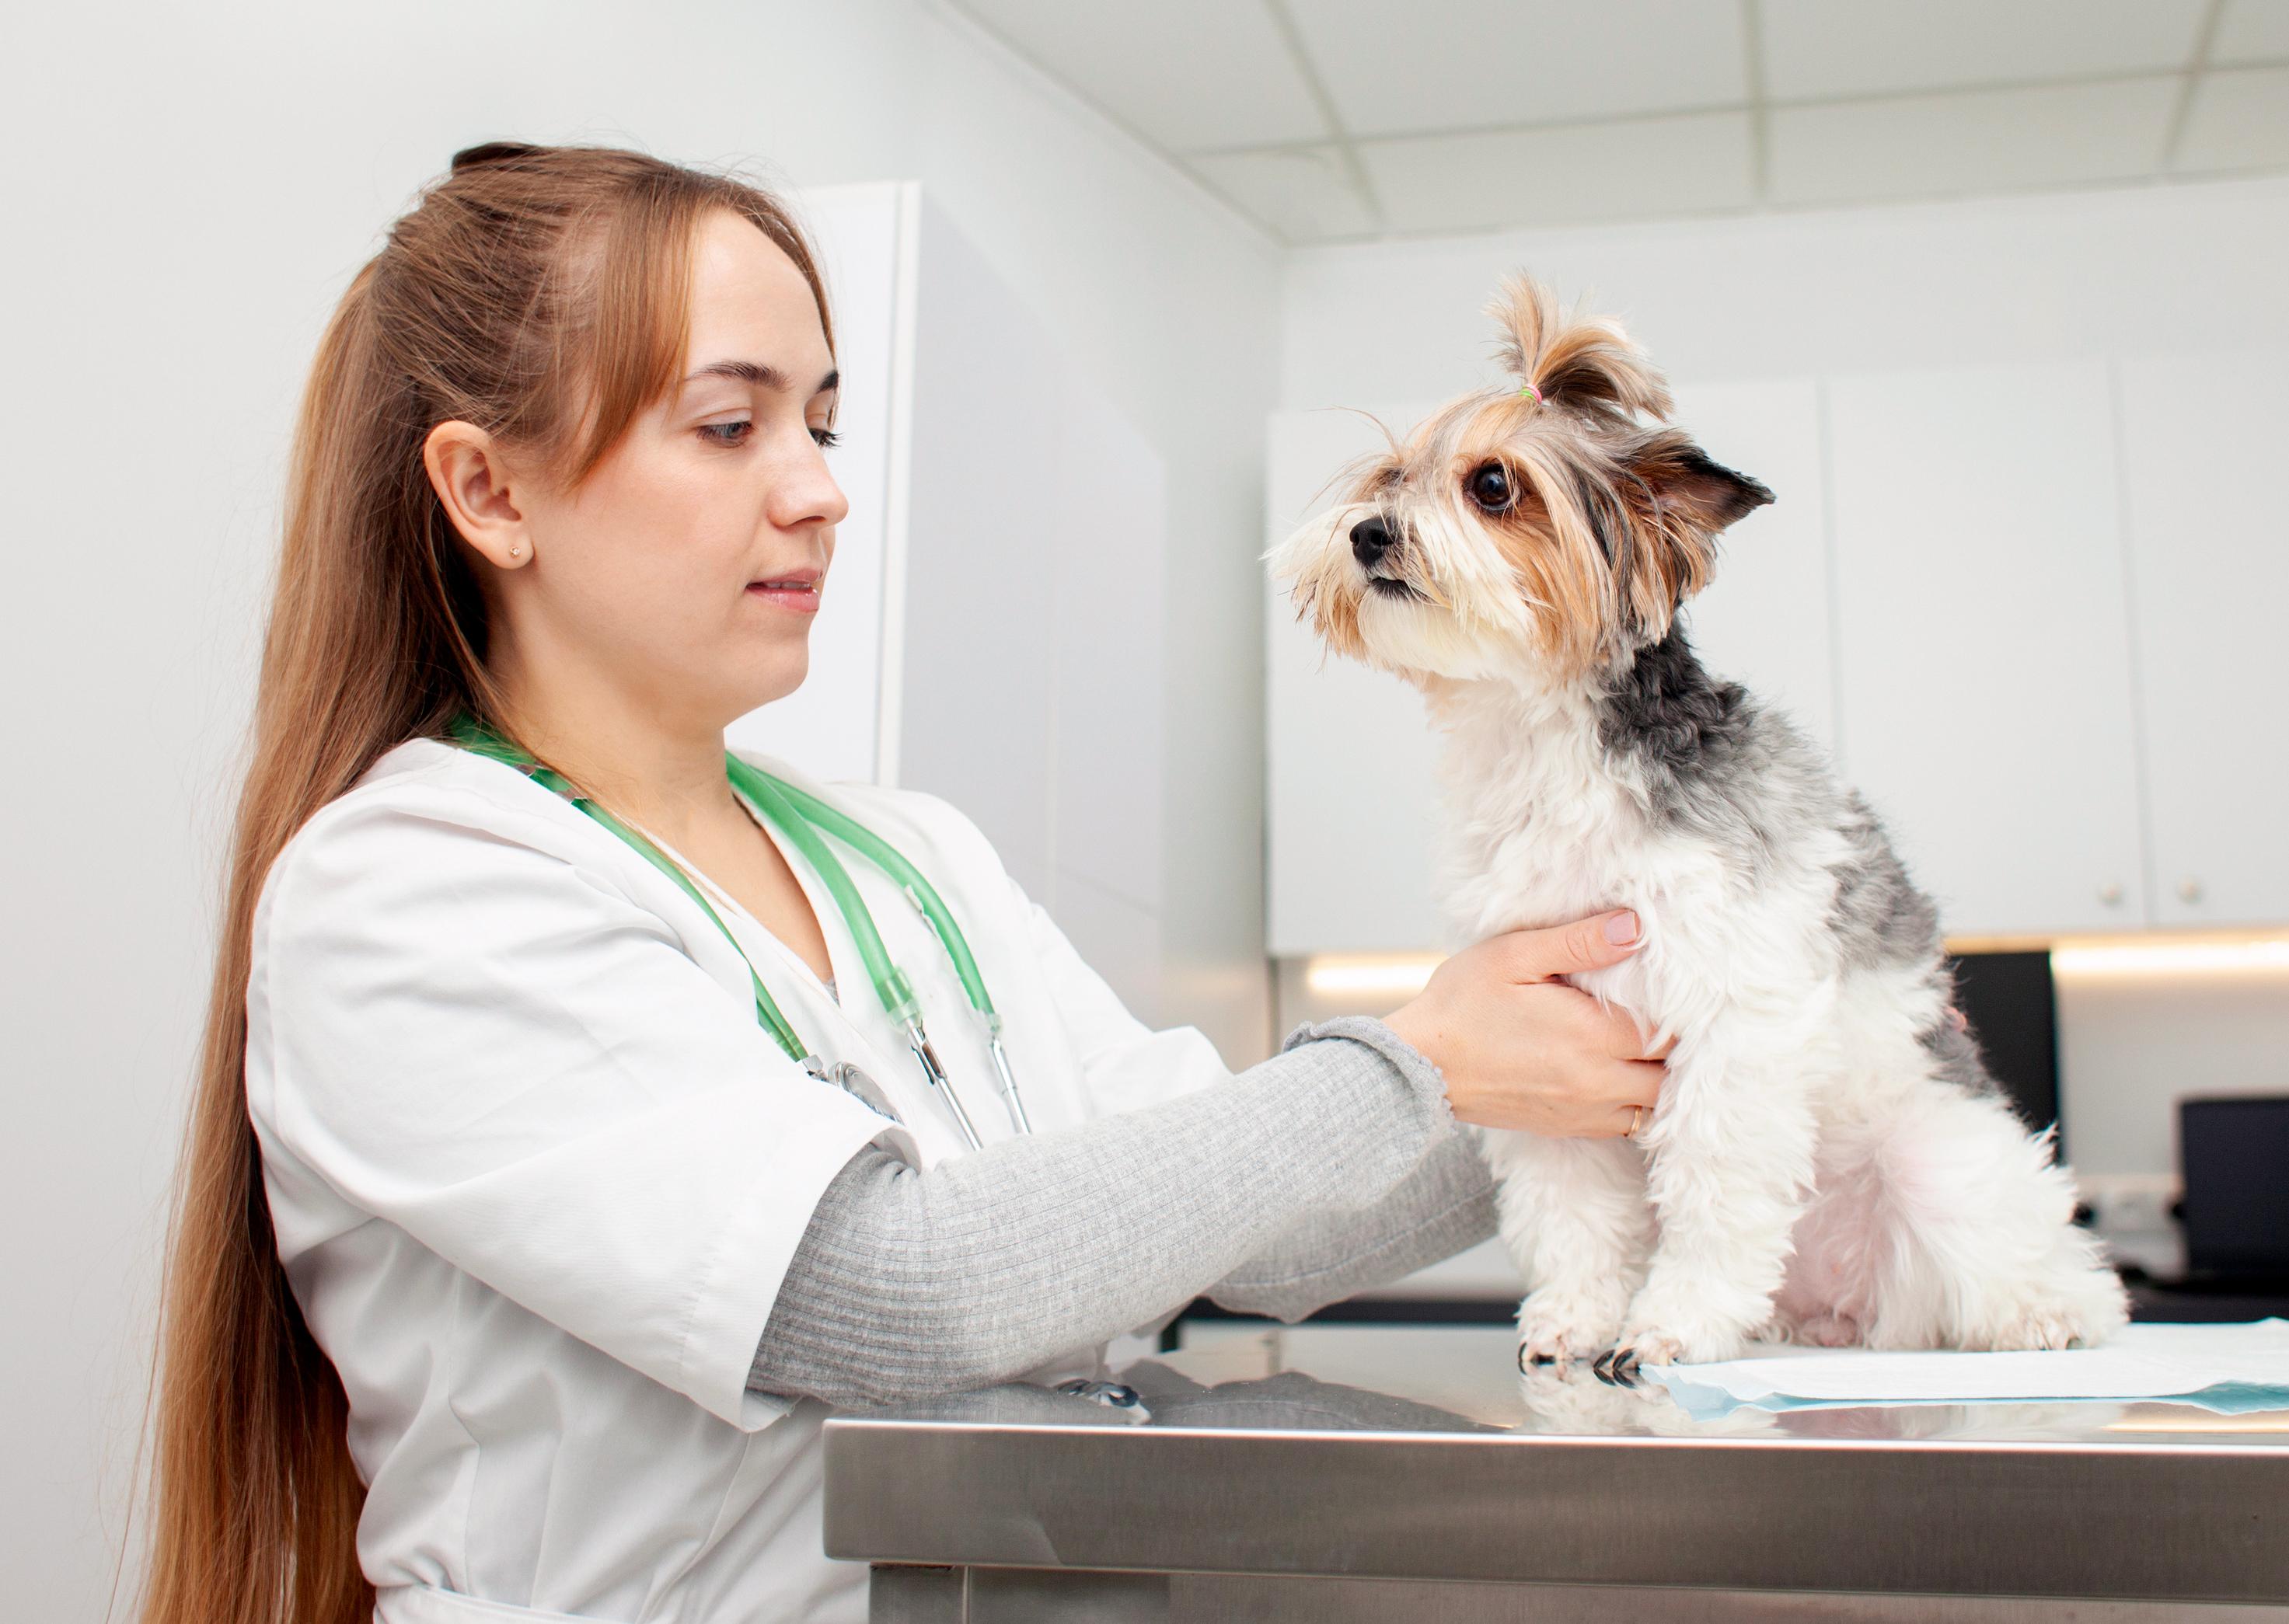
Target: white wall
x=1928 y=285
x=194 y=186
x=2059 y=278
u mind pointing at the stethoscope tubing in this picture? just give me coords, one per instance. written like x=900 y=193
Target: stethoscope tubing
x=801 y=816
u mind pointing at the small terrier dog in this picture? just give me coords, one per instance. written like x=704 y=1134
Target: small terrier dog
x=1830 y=1161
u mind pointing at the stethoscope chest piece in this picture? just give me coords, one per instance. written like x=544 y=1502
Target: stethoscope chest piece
x=854 y=1081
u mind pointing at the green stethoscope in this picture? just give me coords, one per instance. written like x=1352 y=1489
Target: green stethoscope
x=802 y=817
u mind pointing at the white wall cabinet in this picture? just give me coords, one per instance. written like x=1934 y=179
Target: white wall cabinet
x=2203 y=441
x=991 y=487
x=1349 y=800
x=1984 y=639
x=1764 y=620
x=2032 y=608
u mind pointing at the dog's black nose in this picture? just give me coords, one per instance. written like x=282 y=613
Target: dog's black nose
x=1370 y=540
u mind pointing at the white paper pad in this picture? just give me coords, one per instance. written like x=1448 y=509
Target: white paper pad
x=2236 y=1368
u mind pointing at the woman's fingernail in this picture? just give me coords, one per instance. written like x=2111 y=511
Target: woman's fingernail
x=1622 y=929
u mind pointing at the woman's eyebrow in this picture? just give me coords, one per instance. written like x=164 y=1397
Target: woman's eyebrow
x=762 y=373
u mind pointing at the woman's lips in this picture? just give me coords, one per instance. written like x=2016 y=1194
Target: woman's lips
x=799 y=592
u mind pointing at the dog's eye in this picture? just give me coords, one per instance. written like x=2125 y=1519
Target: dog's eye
x=1489 y=487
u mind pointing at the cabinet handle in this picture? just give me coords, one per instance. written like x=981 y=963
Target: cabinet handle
x=2189 y=890
x=2110 y=892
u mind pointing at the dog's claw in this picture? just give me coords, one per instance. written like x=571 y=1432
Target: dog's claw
x=1526 y=1361
x=1617 y=1368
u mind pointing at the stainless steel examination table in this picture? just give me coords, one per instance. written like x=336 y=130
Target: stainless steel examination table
x=1402 y=1474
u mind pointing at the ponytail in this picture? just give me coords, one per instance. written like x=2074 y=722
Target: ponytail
x=537 y=292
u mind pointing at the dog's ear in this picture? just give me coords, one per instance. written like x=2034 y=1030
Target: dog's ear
x=1698 y=492
x=1680 y=501
x=1585 y=364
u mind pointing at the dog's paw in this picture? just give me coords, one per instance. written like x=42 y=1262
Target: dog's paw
x=2077 y=1311
x=1564 y=1328
x=1669 y=1342
x=2038 y=1325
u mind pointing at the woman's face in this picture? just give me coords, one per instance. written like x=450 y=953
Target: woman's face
x=685 y=570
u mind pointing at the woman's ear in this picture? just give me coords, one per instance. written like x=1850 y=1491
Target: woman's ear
x=473 y=482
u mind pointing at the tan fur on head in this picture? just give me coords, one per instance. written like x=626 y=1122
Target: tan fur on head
x=1586 y=364
x=1610 y=522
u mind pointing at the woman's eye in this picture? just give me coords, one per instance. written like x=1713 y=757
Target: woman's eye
x=726 y=434
x=825 y=437
x=1489 y=487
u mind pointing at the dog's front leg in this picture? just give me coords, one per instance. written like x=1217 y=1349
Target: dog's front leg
x=1731 y=1145
x=1573 y=1216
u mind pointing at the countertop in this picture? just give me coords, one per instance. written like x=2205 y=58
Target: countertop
x=1419 y=1455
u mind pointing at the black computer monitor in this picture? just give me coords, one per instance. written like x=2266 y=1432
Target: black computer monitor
x=2014 y=1012
x=2233 y=1155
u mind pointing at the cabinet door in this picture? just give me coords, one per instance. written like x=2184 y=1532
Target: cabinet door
x=831 y=725
x=2202 y=437
x=1349 y=804
x=1764 y=620
x=1984 y=700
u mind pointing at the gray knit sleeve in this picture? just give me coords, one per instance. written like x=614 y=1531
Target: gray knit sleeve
x=908 y=1282
x=1445 y=1205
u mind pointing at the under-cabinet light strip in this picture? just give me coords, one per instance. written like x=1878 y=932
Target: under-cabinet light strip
x=2184 y=957
x=1403 y=975
x=1392 y=977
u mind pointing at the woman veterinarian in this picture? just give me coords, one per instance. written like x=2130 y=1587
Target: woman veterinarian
x=563 y=1149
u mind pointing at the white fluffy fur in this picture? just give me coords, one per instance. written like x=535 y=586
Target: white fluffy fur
x=1805 y=1173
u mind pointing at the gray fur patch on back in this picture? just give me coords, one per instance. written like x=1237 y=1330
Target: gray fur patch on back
x=1717 y=764
x=1955 y=1059
x=1878 y=917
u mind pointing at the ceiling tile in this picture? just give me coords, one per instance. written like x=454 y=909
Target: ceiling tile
x=2240 y=120
x=1186 y=74
x=1815 y=48
x=1299 y=193
x=1475 y=64
x=1972 y=142
x=1573 y=173
x=2253 y=31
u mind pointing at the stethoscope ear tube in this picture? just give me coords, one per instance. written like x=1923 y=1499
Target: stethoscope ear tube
x=918 y=1040
x=1015 y=1106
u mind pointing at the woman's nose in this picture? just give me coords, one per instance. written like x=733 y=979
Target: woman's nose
x=807 y=494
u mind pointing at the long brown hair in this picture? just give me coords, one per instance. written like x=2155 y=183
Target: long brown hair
x=542 y=294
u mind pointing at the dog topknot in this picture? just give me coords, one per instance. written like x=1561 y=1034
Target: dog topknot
x=1582 y=363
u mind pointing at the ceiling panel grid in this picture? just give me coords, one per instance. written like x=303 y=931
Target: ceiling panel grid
x=1328 y=121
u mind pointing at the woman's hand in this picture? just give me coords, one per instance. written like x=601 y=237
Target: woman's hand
x=1521 y=1049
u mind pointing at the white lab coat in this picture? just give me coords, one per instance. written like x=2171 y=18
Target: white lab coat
x=537 y=1173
